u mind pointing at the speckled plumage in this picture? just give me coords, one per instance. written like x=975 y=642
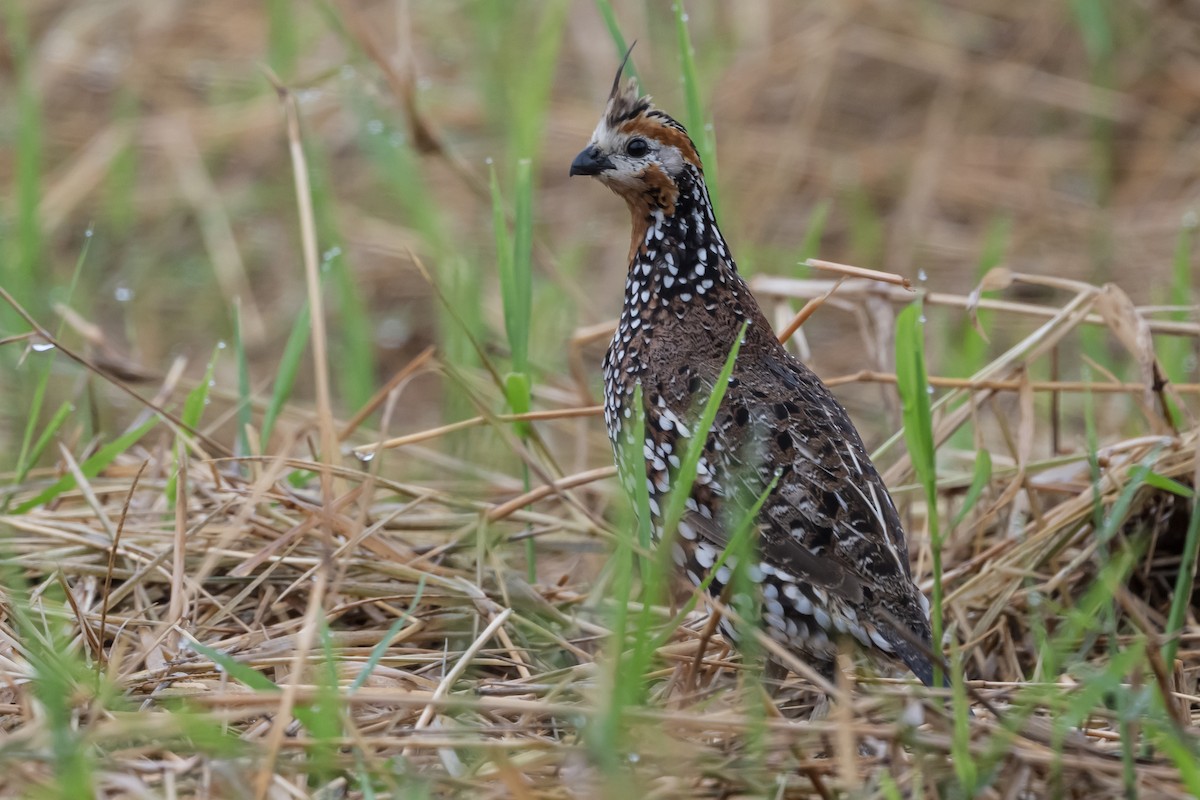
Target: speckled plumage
x=832 y=556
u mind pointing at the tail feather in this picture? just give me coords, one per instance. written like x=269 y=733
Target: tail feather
x=919 y=663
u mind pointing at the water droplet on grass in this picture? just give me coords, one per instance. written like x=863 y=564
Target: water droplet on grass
x=123 y=294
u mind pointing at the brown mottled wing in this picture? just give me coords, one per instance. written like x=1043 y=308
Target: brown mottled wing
x=828 y=528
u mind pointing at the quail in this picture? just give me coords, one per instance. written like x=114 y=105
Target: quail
x=831 y=561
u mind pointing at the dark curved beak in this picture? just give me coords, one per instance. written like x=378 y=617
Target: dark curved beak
x=590 y=162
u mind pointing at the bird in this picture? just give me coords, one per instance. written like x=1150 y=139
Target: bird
x=830 y=559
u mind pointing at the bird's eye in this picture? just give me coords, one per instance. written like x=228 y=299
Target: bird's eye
x=637 y=147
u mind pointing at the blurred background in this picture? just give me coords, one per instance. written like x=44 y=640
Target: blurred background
x=144 y=159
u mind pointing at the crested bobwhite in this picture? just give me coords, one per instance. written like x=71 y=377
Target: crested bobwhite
x=832 y=559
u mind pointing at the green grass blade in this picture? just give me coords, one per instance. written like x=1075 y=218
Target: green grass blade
x=529 y=88
x=1174 y=351
x=740 y=545
x=518 y=386
x=43 y=441
x=1184 y=755
x=24 y=257
x=283 y=43
x=965 y=764
x=244 y=415
x=625 y=681
x=969 y=353
x=614 y=30
x=92 y=466
x=504 y=245
x=673 y=507
x=193 y=410
x=516 y=291
x=697 y=123
x=517 y=315
x=686 y=475
x=323 y=716
x=1181 y=266
x=1096 y=28
x=58 y=678
x=26 y=459
x=1185 y=585
x=1100 y=684
x=868 y=229
x=353 y=348
x=1160 y=481
x=285 y=377
x=197 y=398
x=628 y=682
x=811 y=244
x=912 y=383
x=235 y=669
x=983 y=474
x=380 y=648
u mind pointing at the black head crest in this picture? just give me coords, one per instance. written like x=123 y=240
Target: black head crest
x=616 y=87
x=624 y=103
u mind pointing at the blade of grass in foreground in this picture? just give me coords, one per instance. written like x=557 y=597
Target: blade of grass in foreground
x=913 y=385
x=1186 y=759
x=605 y=733
x=739 y=547
x=628 y=688
x=323 y=716
x=58 y=675
x=682 y=483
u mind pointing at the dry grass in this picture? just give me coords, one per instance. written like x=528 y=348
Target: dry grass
x=489 y=679
x=349 y=612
